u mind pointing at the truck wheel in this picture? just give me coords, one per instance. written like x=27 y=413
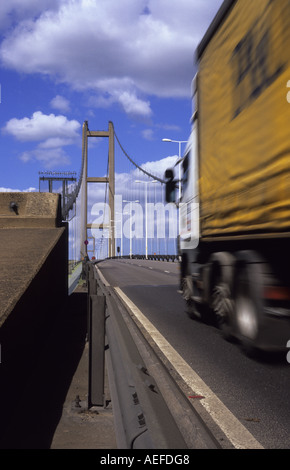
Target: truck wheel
x=222 y=306
x=221 y=277
x=248 y=283
x=192 y=307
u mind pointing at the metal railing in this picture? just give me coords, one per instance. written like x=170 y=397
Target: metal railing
x=142 y=417
x=172 y=258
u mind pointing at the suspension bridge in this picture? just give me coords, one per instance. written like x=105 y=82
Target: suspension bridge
x=92 y=215
x=120 y=213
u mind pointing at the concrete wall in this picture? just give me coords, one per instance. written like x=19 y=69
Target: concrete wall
x=33 y=288
x=29 y=210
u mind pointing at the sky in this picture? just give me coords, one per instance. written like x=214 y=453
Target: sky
x=63 y=62
x=66 y=61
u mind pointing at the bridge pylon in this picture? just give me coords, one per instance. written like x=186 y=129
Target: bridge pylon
x=110 y=179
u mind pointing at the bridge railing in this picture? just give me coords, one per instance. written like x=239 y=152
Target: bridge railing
x=149 y=257
x=142 y=417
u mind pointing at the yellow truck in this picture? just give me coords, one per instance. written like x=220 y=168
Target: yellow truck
x=235 y=203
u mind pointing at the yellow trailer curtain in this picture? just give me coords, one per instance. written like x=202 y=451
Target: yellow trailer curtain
x=244 y=122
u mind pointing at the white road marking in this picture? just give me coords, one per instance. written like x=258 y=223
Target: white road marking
x=239 y=436
x=104 y=281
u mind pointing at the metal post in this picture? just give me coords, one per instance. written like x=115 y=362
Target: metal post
x=96 y=336
x=112 y=251
x=85 y=150
x=96 y=350
x=146 y=223
x=130 y=230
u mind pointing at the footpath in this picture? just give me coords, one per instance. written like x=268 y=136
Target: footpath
x=80 y=427
x=51 y=410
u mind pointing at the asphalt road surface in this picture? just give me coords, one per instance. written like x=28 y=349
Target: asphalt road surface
x=254 y=392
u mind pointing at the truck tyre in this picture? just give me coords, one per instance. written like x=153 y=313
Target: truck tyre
x=192 y=308
x=248 y=284
x=221 y=303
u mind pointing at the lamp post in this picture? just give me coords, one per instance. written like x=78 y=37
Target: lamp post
x=121 y=214
x=114 y=226
x=155 y=182
x=146 y=220
x=130 y=202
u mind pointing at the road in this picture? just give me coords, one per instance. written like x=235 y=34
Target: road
x=246 y=397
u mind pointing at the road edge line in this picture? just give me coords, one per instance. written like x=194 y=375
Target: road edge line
x=235 y=431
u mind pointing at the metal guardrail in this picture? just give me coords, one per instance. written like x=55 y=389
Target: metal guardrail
x=149 y=413
x=142 y=417
x=149 y=257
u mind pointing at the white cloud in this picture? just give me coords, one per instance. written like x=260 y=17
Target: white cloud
x=50 y=158
x=134 y=106
x=148 y=134
x=55 y=142
x=127 y=99
x=124 y=182
x=158 y=168
x=42 y=127
x=60 y=103
x=10 y=190
x=52 y=132
x=113 y=48
x=18 y=10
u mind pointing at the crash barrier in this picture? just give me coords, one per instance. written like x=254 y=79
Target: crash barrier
x=142 y=418
x=149 y=257
x=96 y=307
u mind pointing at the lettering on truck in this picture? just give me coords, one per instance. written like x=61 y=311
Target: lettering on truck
x=254 y=64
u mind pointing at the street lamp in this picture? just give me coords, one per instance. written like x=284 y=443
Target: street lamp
x=146 y=221
x=131 y=202
x=121 y=214
x=155 y=182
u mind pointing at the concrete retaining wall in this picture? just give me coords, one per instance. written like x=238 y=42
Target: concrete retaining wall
x=33 y=287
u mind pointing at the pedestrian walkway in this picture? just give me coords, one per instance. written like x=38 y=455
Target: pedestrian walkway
x=80 y=427
x=51 y=409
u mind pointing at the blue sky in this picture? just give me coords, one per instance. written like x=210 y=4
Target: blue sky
x=65 y=61
x=127 y=61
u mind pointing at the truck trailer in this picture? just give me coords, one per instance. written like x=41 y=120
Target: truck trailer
x=234 y=209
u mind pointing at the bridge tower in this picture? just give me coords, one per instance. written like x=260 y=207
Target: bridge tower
x=110 y=179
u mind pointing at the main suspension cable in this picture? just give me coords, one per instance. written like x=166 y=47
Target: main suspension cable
x=135 y=164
